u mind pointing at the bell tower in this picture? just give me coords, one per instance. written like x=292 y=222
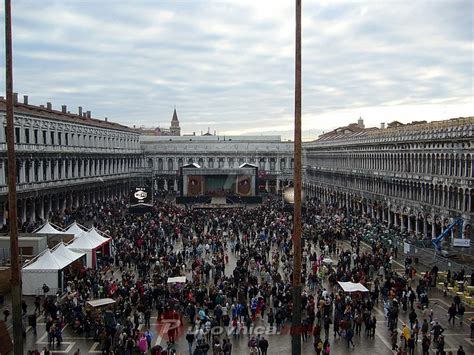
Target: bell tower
x=175 y=130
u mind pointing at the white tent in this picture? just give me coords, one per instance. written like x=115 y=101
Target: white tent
x=88 y=243
x=352 y=287
x=83 y=244
x=62 y=252
x=92 y=233
x=42 y=270
x=101 y=302
x=177 y=279
x=74 y=229
x=47 y=228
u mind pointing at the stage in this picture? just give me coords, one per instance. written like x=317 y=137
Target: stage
x=219 y=187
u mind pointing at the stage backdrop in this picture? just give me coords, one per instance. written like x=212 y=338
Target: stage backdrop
x=244 y=185
x=197 y=181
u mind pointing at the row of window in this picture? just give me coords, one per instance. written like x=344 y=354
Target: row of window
x=459 y=165
x=46 y=137
x=220 y=163
x=56 y=169
x=438 y=195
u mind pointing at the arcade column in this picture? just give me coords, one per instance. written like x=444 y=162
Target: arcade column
x=41 y=208
x=23 y=210
x=32 y=216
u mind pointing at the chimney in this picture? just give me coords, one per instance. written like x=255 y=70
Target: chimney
x=15 y=97
x=25 y=99
x=88 y=114
x=201 y=133
x=106 y=119
x=64 y=108
x=80 y=111
x=42 y=106
x=49 y=106
x=382 y=125
x=84 y=115
x=214 y=132
x=194 y=133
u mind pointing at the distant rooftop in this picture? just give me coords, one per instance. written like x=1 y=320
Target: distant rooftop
x=209 y=138
x=354 y=131
x=48 y=112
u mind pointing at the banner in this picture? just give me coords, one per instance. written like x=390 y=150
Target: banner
x=194 y=185
x=459 y=242
x=244 y=185
x=141 y=195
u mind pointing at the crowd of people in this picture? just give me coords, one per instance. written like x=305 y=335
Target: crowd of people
x=238 y=264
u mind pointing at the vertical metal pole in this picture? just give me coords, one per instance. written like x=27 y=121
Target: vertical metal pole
x=12 y=208
x=296 y=321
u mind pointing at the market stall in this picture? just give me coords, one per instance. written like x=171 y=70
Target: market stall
x=105 y=246
x=62 y=252
x=75 y=229
x=49 y=228
x=351 y=287
x=90 y=243
x=44 y=269
x=177 y=279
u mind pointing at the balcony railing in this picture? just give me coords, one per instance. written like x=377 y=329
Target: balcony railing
x=32 y=186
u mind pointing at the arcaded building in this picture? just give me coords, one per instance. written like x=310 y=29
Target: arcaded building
x=165 y=155
x=419 y=176
x=65 y=159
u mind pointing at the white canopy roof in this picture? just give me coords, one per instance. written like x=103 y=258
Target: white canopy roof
x=82 y=242
x=177 y=279
x=92 y=233
x=352 y=287
x=62 y=252
x=45 y=262
x=101 y=302
x=49 y=229
x=74 y=229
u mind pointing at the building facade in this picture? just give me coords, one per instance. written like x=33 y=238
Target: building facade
x=419 y=177
x=165 y=155
x=65 y=159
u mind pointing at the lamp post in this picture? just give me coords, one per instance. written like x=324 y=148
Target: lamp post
x=296 y=321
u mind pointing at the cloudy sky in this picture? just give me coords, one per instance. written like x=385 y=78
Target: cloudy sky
x=229 y=65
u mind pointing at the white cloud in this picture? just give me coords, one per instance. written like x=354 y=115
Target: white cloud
x=232 y=63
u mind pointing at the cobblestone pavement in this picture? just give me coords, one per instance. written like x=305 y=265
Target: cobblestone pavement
x=278 y=343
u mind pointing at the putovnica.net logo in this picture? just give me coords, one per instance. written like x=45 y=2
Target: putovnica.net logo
x=173 y=329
